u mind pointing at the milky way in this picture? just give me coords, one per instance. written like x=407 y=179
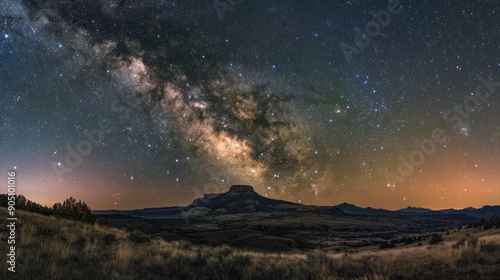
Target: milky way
x=264 y=97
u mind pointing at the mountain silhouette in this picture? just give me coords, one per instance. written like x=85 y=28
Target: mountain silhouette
x=243 y=199
x=241 y=217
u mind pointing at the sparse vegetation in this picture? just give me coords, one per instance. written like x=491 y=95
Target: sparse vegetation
x=436 y=239
x=493 y=222
x=51 y=248
x=137 y=236
x=387 y=245
x=468 y=240
x=109 y=238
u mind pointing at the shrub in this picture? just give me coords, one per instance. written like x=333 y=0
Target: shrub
x=435 y=239
x=385 y=245
x=102 y=222
x=224 y=266
x=459 y=243
x=318 y=264
x=137 y=236
x=489 y=247
x=44 y=231
x=109 y=238
x=473 y=241
x=79 y=243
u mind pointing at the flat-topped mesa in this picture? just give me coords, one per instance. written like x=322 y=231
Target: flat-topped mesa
x=241 y=188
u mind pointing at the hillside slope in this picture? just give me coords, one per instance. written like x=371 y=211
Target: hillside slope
x=50 y=248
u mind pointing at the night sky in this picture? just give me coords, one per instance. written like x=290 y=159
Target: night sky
x=134 y=104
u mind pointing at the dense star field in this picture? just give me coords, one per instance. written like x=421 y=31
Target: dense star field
x=133 y=104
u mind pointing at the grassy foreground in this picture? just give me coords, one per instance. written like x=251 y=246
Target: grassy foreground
x=53 y=248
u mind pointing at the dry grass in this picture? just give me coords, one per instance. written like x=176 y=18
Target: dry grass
x=50 y=248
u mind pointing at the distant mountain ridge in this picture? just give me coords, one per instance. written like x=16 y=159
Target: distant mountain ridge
x=243 y=199
x=484 y=212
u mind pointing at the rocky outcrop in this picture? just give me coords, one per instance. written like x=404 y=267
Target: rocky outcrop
x=241 y=188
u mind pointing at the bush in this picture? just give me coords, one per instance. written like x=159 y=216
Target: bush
x=385 y=245
x=137 y=236
x=44 y=231
x=489 y=247
x=435 y=239
x=109 y=238
x=487 y=226
x=228 y=267
x=318 y=264
x=80 y=242
x=494 y=221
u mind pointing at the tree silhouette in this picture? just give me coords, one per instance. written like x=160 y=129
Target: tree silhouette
x=69 y=209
